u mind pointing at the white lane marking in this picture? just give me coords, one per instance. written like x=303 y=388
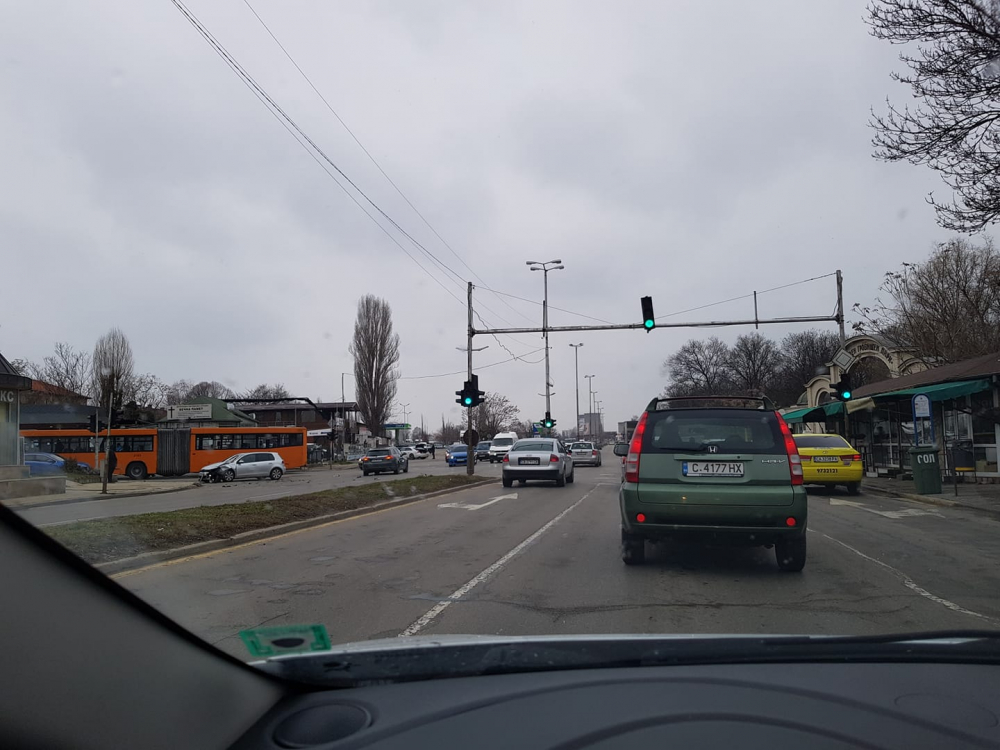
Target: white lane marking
x=428 y=617
x=905 y=513
x=909 y=582
x=471 y=506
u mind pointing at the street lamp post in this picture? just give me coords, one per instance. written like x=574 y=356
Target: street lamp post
x=544 y=268
x=590 y=400
x=600 y=422
x=576 y=361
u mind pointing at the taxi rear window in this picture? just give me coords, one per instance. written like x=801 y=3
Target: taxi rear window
x=821 y=441
x=712 y=431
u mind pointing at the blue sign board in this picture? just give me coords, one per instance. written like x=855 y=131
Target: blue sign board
x=396 y=426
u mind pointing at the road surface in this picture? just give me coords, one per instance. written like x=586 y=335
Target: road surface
x=293 y=483
x=545 y=560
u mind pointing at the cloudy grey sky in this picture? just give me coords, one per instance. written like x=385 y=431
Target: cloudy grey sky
x=690 y=151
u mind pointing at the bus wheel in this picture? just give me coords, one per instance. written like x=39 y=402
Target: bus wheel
x=136 y=470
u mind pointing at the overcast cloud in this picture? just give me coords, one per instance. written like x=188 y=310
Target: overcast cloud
x=690 y=151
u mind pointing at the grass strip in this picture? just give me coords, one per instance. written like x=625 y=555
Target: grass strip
x=107 y=539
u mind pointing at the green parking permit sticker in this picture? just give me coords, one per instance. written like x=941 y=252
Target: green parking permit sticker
x=285 y=639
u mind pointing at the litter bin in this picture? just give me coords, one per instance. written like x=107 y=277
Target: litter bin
x=926 y=469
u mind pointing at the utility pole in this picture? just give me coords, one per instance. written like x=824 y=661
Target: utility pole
x=576 y=361
x=544 y=268
x=107 y=445
x=590 y=398
x=470 y=461
x=843 y=340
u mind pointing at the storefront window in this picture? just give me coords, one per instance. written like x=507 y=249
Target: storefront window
x=986 y=458
x=983 y=430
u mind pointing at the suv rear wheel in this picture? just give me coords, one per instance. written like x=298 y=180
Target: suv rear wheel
x=791 y=553
x=633 y=549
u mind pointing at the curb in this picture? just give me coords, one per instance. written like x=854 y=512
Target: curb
x=148 y=558
x=928 y=499
x=99 y=496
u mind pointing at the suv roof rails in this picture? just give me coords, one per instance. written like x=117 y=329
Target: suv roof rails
x=667 y=402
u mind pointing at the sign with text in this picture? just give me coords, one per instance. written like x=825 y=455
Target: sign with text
x=189 y=411
x=923 y=420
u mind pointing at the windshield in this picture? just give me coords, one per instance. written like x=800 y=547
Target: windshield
x=248 y=252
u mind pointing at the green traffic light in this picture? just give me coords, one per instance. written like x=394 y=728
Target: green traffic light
x=649 y=323
x=845 y=394
x=468 y=400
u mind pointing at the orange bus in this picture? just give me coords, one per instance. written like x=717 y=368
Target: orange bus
x=170 y=452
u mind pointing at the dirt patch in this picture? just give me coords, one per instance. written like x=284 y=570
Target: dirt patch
x=108 y=539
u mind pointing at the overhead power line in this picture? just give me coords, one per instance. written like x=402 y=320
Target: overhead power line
x=370 y=156
x=745 y=296
x=479 y=367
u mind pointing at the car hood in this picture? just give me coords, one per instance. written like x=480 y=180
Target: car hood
x=216 y=465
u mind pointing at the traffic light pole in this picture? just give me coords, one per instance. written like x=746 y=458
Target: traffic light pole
x=843 y=340
x=470 y=455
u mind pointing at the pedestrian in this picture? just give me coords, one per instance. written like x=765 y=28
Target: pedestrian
x=112 y=463
x=432 y=451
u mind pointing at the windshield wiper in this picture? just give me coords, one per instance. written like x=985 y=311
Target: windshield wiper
x=407 y=659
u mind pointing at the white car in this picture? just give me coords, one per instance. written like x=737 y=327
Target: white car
x=245 y=466
x=410 y=452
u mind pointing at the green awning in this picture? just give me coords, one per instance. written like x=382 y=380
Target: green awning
x=938 y=391
x=813 y=413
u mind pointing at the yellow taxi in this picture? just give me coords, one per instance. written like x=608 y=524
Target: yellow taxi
x=830 y=460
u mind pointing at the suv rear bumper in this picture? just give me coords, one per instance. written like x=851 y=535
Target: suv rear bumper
x=755 y=524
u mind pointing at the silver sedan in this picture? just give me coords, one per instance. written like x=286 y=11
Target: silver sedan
x=538 y=458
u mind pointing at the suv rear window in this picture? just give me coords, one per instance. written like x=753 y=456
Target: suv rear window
x=380 y=452
x=821 y=441
x=694 y=430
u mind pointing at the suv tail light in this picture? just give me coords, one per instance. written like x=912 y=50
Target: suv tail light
x=791 y=450
x=506 y=458
x=595 y=454
x=634 y=449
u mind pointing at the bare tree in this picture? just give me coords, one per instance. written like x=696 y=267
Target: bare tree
x=177 y=392
x=954 y=72
x=112 y=370
x=804 y=354
x=275 y=392
x=376 y=353
x=146 y=391
x=495 y=414
x=449 y=433
x=210 y=388
x=947 y=308
x=699 y=368
x=754 y=361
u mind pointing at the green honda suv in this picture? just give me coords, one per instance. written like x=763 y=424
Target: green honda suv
x=718 y=469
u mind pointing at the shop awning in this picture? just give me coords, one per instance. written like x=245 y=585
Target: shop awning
x=813 y=413
x=938 y=391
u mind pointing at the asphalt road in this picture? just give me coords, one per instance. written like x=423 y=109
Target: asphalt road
x=292 y=483
x=545 y=560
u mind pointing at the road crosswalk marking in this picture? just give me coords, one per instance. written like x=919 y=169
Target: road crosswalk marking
x=896 y=514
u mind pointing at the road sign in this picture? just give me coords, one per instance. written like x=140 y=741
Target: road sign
x=922 y=406
x=844 y=359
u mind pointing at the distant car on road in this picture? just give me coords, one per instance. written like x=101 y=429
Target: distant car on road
x=378 y=460
x=483 y=450
x=585 y=454
x=830 y=460
x=49 y=464
x=256 y=465
x=457 y=454
x=410 y=451
x=538 y=458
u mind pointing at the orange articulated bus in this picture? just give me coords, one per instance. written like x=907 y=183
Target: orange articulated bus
x=141 y=452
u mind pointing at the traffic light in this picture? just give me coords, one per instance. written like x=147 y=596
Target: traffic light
x=648 y=320
x=470 y=395
x=96 y=425
x=842 y=390
x=548 y=423
x=478 y=396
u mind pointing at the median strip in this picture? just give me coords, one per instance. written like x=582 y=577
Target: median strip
x=107 y=540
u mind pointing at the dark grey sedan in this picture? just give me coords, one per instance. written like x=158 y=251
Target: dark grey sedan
x=378 y=460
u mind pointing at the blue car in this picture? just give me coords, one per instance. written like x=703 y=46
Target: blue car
x=48 y=464
x=457 y=454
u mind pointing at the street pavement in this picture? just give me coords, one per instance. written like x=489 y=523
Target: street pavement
x=292 y=483
x=545 y=560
